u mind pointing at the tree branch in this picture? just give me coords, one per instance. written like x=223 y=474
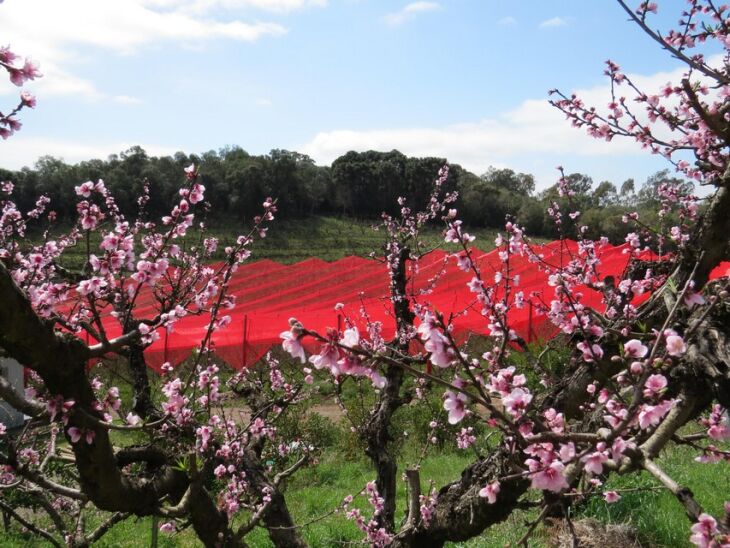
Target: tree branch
x=28 y=525
x=413 y=482
x=103 y=529
x=30 y=407
x=701 y=67
x=683 y=494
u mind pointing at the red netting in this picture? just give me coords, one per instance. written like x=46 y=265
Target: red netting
x=268 y=294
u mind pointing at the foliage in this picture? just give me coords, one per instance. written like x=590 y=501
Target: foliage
x=358 y=186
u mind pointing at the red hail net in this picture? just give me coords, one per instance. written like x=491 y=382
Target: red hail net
x=268 y=294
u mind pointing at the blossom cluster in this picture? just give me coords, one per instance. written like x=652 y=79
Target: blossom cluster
x=19 y=71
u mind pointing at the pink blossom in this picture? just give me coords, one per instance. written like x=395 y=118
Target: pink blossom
x=455 y=405
x=93 y=286
x=567 y=451
x=634 y=349
x=654 y=384
x=293 y=345
x=350 y=337
x=327 y=357
x=465 y=438
x=590 y=352
x=30 y=70
x=517 y=401
x=676 y=345
x=441 y=355
x=719 y=432
x=550 y=478
x=28 y=99
x=378 y=380
x=197 y=193
x=692 y=299
x=594 y=462
x=204 y=433
x=651 y=415
x=167 y=527
x=718 y=427
x=611 y=496
x=703 y=532
x=75 y=435
x=85 y=189
x=490 y=492
x=436 y=343
x=190 y=171
x=555 y=420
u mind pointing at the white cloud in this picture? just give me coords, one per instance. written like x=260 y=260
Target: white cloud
x=533 y=128
x=119 y=26
x=57 y=39
x=20 y=151
x=508 y=21
x=264 y=102
x=203 y=6
x=57 y=81
x=554 y=22
x=409 y=11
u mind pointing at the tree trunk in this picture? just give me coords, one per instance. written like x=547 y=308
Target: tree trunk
x=377 y=437
x=711 y=238
x=210 y=524
x=376 y=432
x=460 y=513
x=142 y=403
x=279 y=523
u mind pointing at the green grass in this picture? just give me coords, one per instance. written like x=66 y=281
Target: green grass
x=290 y=241
x=331 y=238
x=315 y=491
x=657 y=515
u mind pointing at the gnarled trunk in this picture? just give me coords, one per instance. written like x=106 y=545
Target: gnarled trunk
x=142 y=403
x=376 y=432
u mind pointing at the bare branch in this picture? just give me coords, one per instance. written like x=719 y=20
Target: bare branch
x=701 y=67
x=104 y=347
x=106 y=526
x=684 y=495
x=28 y=525
x=281 y=476
x=413 y=482
x=28 y=406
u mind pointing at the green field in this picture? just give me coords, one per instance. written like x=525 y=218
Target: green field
x=290 y=241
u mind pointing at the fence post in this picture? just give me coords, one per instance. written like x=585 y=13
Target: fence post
x=88 y=362
x=164 y=353
x=529 y=324
x=245 y=339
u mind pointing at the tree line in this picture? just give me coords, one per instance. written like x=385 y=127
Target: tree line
x=357 y=184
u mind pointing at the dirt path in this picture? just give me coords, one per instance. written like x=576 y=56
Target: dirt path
x=327 y=409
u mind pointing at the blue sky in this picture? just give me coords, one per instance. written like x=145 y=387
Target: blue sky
x=464 y=79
